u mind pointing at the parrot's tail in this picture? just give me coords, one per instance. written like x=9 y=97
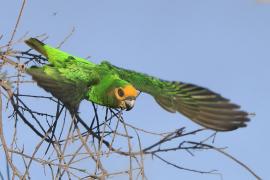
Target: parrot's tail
x=37 y=45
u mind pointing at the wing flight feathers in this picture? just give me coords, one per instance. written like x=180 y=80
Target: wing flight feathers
x=199 y=104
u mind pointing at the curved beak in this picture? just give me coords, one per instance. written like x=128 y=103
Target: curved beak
x=129 y=104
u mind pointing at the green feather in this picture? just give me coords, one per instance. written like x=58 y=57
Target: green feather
x=50 y=79
x=72 y=79
x=55 y=56
x=199 y=104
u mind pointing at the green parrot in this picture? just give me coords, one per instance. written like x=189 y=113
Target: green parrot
x=72 y=79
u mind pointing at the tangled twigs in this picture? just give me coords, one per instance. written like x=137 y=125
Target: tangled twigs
x=65 y=142
x=131 y=153
x=7 y=88
x=4 y=144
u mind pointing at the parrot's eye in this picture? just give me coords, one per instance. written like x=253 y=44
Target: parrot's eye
x=121 y=92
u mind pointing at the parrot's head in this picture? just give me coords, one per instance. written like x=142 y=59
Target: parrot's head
x=124 y=94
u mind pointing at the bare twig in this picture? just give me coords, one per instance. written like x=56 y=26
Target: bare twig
x=67 y=37
x=16 y=26
x=229 y=156
x=186 y=169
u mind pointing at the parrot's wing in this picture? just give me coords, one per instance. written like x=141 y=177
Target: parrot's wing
x=69 y=91
x=201 y=105
x=55 y=56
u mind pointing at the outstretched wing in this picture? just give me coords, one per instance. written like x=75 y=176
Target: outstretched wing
x=69 y=90
x=201 y=105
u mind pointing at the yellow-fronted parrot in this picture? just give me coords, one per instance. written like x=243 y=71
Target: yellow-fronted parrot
x=72 y=79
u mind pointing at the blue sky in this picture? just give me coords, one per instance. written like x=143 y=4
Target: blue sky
x=223 y=45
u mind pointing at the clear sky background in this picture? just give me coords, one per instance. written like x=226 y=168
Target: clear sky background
x=223 y=45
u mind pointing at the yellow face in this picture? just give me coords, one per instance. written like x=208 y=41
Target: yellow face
x=126 y=97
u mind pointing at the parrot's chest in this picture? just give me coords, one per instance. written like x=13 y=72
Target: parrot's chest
x=101 y=93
